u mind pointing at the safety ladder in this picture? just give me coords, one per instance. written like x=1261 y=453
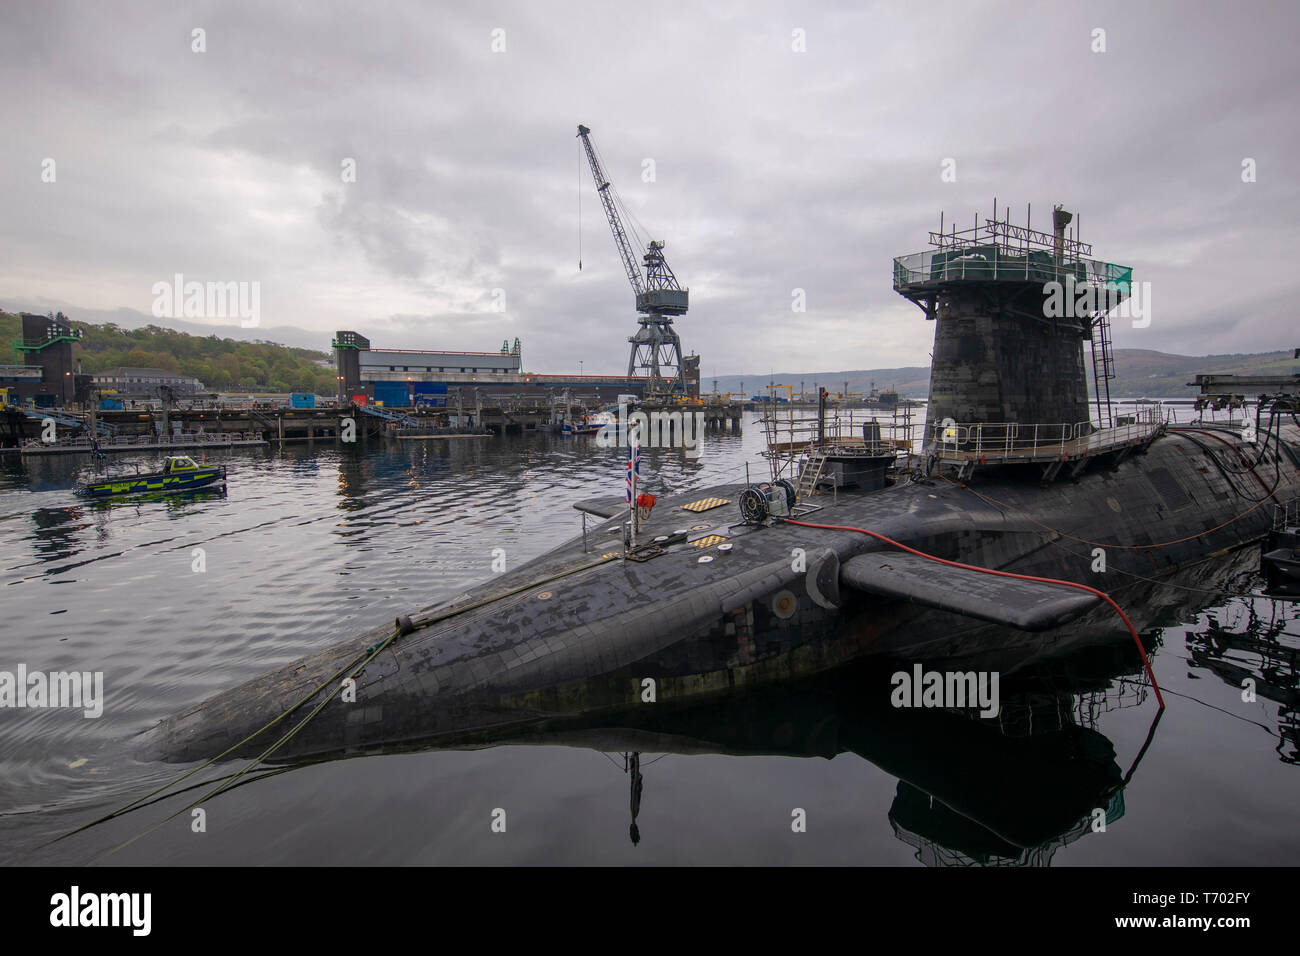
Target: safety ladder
x=811 y=473
x=1103 y=368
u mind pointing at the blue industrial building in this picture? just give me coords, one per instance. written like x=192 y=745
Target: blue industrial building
x=402 y=378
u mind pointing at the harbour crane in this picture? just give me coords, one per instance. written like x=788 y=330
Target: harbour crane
x=656 y=348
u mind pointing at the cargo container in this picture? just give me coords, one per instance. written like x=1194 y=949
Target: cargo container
x=392 y=394
x=429 y=394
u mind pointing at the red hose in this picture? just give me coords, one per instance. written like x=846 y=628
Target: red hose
x=1005 y=574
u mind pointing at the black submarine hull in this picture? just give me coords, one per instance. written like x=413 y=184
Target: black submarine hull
x=582 y=630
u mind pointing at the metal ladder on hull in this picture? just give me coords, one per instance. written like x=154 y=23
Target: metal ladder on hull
x=1103 y=368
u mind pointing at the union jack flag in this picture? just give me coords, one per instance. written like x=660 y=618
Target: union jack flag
x=633 y=463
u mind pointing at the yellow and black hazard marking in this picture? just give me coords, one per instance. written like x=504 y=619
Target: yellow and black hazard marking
x=610 y=554
x=708 y=541
x=705 y=504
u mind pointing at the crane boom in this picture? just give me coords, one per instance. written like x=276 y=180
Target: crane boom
x=611 y=213
x=658 y=292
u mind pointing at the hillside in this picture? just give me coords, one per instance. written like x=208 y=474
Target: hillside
x=1143 y=372
x=217 y=362
x=1138 y=373
x=911 y=381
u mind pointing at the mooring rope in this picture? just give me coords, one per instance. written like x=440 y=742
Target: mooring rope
x=402 y=627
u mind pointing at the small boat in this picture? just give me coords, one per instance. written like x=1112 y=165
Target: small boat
x=180 y=473
x=590 y=424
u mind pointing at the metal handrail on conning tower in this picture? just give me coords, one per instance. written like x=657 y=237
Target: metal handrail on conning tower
x=992 y=442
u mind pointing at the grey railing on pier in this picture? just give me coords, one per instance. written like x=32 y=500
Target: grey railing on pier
x=143 y=442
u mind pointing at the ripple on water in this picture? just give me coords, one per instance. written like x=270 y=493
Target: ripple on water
x=310 y=546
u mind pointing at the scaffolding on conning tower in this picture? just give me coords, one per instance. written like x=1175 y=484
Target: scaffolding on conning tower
x=1012 y=306
x=997 y=251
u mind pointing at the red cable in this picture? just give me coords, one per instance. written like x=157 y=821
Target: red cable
x=1005 y=574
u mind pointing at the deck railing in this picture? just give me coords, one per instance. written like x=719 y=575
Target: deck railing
x=989 y=262
x=1286 y=515
x=792 y=434
x=1015 y=441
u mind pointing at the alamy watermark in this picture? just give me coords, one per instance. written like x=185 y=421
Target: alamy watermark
x=208 y=300
x=1071 y=299
x=77 y=689
x=683 y=430
x=946 y=689
x=126 y=910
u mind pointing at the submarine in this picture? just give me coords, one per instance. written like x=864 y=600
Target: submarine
x=1000 y=540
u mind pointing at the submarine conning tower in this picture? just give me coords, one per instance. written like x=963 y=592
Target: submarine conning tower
x=1013 y=307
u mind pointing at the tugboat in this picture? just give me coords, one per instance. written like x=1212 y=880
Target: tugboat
x=179 y=473
x=878 y=399
x=592 y=424
x=583 y=426
x=1003 y=539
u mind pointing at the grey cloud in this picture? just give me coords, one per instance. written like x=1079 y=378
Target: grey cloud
x=775 y=169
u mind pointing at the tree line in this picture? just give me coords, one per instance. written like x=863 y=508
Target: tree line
x=219 y=363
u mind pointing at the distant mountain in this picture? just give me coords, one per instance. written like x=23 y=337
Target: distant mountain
x=1146 y=373
x=1139 y=373
x=912 y=381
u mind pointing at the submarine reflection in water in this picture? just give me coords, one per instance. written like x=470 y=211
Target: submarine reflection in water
x=1005 y=791
x=1252 y=654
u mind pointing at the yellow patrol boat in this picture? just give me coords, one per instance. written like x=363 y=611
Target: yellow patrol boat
x=179 y=473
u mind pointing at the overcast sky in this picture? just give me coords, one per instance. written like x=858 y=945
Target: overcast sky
x=774 y=169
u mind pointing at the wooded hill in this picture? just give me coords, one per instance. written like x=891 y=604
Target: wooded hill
x=218 y=363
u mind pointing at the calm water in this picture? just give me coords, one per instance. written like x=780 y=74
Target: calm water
x=313 y=544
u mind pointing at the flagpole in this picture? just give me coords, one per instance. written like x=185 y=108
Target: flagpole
x=633 y=466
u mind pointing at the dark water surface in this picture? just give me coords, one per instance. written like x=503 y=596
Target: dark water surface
x=313 y=544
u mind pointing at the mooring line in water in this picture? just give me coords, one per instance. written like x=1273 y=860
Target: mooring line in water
x=352 y=665
x=1004 y=574
x=253 y=764
x=1272 y=731
x=404 y=626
